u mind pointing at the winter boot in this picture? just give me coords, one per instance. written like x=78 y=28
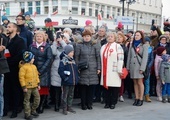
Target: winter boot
x=40 y=108
x=164 y=99
x=147 y=98
x=168 y=99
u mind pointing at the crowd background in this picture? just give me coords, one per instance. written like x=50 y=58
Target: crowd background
x=84 y=63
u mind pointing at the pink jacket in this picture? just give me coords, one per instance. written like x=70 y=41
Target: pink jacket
x=157 y=64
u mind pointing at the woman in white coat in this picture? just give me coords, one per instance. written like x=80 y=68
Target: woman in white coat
x=112 y=57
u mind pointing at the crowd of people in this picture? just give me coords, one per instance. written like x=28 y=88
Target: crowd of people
x=42 y=67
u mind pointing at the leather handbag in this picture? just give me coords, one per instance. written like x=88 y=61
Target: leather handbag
x=83 y=65
x=124 y=73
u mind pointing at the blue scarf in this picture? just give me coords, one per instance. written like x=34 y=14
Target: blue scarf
x=136 y=42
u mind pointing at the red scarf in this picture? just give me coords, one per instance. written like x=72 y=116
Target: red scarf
x=105 y=55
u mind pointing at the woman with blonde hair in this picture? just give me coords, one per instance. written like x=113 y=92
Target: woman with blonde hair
x=121 y=40
x=112 y=57
x=43 y=58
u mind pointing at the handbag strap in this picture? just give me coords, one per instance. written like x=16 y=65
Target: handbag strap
x=136 y=55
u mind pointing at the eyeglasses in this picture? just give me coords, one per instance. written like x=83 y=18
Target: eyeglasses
x=18 y=19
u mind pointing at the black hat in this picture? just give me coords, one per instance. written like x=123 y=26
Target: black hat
x=47 y=20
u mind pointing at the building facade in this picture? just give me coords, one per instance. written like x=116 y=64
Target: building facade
x=142 y=11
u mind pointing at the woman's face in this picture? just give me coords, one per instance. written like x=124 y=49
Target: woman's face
x=120 y=39
x=87 y=38
x=111 y=38
x=39 y=38
x=138 y=36
x=163 y=40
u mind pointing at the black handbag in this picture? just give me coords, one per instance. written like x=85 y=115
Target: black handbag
x=83 y=65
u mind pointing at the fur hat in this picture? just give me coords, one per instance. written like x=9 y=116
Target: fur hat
x=86 y=32
x=159 y=50
x=165 y=57
x=28 y=56
x=4 y=18
x=88 y=22
x=68 y=49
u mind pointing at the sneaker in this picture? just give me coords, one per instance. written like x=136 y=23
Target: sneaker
x=121 y=99
x=164 y=101
x=159 y=99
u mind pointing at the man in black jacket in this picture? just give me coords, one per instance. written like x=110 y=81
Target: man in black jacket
x=3 y=68
x=12 y=88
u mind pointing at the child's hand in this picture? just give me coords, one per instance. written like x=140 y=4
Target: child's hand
x=25 y=90
x=39 y=87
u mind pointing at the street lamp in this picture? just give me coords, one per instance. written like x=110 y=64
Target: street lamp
x=98 y=16
x=2 y=8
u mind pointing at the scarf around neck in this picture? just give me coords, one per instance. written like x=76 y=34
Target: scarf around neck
x=136 y=42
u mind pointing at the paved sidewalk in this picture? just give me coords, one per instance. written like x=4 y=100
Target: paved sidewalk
x=123 y=111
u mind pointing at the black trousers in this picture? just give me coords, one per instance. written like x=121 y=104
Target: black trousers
x=112 y=94
x=129 y=86
x=12 y=91
x=87 y=94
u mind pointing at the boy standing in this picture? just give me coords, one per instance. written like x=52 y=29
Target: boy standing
x=165 y=77
x=29 y=80
x=68 y=72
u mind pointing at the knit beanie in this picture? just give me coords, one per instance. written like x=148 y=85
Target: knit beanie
x=147 y=39
x=4 y=18
x=86 y=32
x=27 y=13
x=88 y=22
x=28 y=56
x=68 y=29
x=68 y=49
x=159 y=50
x=165 y=57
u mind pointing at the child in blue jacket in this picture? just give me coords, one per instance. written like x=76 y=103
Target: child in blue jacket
x=68 y=72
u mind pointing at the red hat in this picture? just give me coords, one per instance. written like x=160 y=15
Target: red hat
x=88 y=22
x=159 y=50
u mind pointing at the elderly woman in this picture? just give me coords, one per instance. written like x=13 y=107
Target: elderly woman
x=43 y=58
x=136 y=64
x=112 y=62
x=87 y=56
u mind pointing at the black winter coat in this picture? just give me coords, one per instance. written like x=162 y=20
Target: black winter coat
x=3 y=62
x=43 y=59
x=68 y=64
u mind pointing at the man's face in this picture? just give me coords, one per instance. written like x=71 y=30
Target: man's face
x=10 y=28
x=20 y=21
x=102 y=32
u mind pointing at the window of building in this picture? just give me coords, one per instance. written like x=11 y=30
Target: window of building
x=22 y=6
x=75 y=5
x=46 y=8
x=150 y=1
x=96 y=10
x=55 y=5
x=113 y=12
x=7 y=9
x=38 y=10
x=30 y=7
x=118 y=11
x=108 y=12
x=90 y=9
x=64 y=5
x=155 y=3
x=83 y=8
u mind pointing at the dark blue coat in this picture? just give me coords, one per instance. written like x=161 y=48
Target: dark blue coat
x=43 y=59
x=150 y=57
x=68 y=64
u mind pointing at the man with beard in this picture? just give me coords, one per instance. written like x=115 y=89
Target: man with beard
x=101 y=36
x=12 y=89
x=24 y=33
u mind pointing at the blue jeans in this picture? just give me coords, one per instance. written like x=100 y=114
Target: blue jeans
x=1 y=95
x=147 y=85
x=166 y=89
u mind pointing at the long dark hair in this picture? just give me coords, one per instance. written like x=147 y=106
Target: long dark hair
x=142 y=39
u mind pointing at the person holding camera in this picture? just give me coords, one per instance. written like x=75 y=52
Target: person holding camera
x=69 y=74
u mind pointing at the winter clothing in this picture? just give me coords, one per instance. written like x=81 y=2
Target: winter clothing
x=69 y=30
x=43 y=58
x=50 y=32
x=166 y=45
x=28 y=76
x=68 y=49
x=28 y=56
x=157 y=64
x=47 y=20
x=56 y=51
x=1 y=95
x=86 y=32
x=27 y=13
x=132 y=62
x=155 y=39
x=4 y=18
x=30 y=24
x=88 y=22
x=163 y=36
x=26 y=35
x=67 y=64
x=147 y=39
x=90 y=52
x=12 y=87
x=159 y=50
x=112 y=57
